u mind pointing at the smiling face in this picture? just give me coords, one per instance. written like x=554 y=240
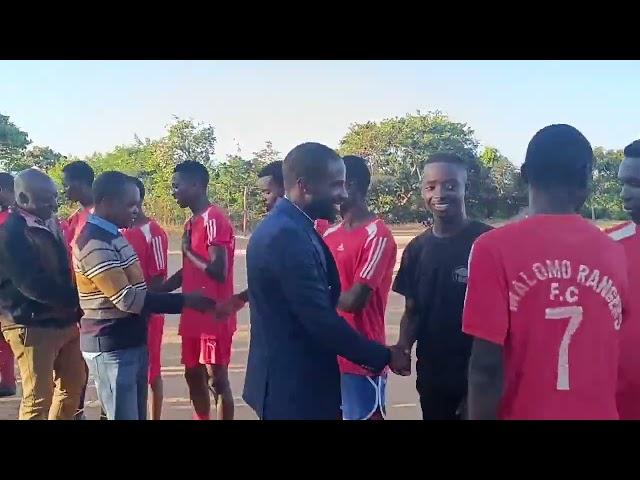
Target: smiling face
x=443 y=189
x=322 y=195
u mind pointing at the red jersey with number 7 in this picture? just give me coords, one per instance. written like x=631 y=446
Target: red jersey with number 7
x=552 y=290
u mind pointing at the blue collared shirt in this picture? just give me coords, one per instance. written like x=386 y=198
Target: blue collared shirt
x=102 y=223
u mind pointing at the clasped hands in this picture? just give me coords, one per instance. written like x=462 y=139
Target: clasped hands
x=220 y=310
x=400 y=362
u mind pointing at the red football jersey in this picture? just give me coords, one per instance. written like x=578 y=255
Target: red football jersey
x=210 y=228
x=550 y=289
x=365 y=255
x=151 y=245
x=629 y=371
x=74 y=224
x=321 y=226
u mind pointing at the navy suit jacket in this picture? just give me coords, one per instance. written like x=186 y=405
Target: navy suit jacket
x=296 y=333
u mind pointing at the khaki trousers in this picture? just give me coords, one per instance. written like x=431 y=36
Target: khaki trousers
x=51 y=368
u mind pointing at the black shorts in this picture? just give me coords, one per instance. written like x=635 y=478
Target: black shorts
x=441 y=403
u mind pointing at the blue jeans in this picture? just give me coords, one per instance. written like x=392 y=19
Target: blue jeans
x=121 y=381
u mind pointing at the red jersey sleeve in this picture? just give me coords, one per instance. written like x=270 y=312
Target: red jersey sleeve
x=378 y=255
x=64 y=226
x=321 y=226
x=218 y=230
x=486 y=306
x=158 y=252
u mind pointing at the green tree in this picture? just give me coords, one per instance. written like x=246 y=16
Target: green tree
x=502 y=192
x=266 y=155
x=13 y=144
x=187 y=140
x=605 y=201
x=231 y=180
x=41 y=157
x=397 y=148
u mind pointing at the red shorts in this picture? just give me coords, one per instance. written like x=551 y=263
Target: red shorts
x=154 y=343
x=206 y=350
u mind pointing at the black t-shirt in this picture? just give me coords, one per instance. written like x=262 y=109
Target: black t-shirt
x=433 y=273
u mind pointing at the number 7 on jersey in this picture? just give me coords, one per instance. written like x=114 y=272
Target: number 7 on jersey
x=574 y=314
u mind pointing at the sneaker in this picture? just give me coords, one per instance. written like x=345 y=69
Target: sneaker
x=6 y=391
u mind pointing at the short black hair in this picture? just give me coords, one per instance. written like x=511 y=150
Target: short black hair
x=559 y=156
x=140 y=186
x=446 y=157
x=632 y=150
x=273 y=170
x=193 y=170
x=357 y=172
x=79 y=171
x=6 y=181
x=308 y=160
x=110 y=185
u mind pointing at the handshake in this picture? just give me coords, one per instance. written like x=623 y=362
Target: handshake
x=220 y=310
x=400 y=360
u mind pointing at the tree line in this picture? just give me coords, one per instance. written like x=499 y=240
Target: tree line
x=395 y=148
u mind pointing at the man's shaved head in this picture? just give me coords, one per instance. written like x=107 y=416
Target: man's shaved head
x=36 y=193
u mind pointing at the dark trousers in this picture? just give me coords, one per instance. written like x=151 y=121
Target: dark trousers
x=442 y=403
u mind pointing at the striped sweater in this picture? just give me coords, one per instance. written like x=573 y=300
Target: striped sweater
x=111 y=289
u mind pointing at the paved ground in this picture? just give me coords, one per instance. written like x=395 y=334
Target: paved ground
x=401 y=395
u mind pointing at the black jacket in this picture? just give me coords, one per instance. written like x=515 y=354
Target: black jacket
x=36 y=284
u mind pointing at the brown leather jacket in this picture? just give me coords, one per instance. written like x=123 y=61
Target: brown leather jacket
x=36 y=286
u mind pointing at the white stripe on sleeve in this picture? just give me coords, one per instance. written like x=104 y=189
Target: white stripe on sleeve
x=368 y=272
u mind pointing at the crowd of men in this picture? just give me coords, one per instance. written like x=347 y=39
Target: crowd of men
x=531 y=320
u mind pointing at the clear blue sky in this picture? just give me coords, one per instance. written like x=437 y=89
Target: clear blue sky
x=78 y=107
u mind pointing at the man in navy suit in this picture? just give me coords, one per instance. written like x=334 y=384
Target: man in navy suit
x=296 y=334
